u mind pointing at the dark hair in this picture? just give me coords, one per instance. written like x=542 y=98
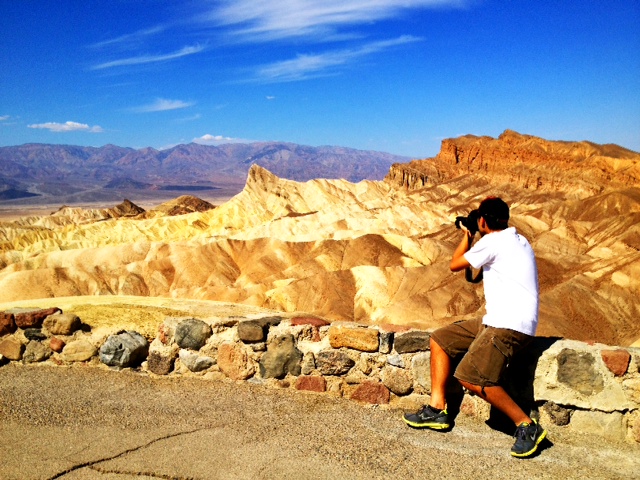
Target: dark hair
x=495 y=212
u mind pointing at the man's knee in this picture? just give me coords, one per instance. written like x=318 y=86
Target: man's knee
x=435 y=346
x=472 y=387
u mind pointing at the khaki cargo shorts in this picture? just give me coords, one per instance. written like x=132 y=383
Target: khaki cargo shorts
x=487 y=350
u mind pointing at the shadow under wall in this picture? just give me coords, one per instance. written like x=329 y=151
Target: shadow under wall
x=518 y=382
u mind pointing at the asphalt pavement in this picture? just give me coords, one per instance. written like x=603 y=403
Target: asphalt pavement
x=86 y=422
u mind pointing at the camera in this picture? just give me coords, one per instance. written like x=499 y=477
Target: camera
x=470 y=222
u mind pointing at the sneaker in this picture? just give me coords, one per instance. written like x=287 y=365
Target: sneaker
x=428 y=418
x=528 y=437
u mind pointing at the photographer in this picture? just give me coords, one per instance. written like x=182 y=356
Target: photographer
x=486 y=345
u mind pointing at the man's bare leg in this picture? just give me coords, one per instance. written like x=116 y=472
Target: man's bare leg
x=440 y=372
x=499 y=398
x=427 y=417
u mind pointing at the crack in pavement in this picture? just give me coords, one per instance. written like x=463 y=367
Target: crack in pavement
x=92 y=464
x=140 y=474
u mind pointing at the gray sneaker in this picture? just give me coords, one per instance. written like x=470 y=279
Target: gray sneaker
x=528 y=437
x=428 y=418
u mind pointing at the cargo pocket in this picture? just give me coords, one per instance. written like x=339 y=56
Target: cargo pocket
x=500 y=356
x=490 y=360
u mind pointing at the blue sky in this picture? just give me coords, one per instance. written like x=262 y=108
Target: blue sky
x=389 y=75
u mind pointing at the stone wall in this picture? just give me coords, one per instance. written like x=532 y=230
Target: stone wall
x=590 y=388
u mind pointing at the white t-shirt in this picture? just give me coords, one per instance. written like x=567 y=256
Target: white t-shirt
x=510 y=280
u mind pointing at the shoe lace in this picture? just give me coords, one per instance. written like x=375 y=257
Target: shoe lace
x=521 y=432
x=426 y=410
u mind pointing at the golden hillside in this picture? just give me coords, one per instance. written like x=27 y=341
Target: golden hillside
x=373 y=252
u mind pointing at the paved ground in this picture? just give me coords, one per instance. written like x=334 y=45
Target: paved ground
x=83 y=422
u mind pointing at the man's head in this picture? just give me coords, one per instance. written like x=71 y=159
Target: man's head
x=495 y=212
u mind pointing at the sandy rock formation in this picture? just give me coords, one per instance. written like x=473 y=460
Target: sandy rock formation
x=577 y=169
x=373 y=252
x=180 y=206
x=66 y=215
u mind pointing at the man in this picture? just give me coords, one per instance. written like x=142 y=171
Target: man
x=511 y=294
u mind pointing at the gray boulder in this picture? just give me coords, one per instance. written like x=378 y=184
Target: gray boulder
x=127 y=349
x=36 y=352
x=34 y=334
x=282 y=357
x=410 y=342
x=195 y=362
x=192 y=334
x=333 y=362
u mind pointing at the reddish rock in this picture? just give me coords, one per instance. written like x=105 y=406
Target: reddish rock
x=11 y=348
x=163 y=334
x=315 y=335
x=7 y=323
x=358 y=338
x=234 y=362
x=314 y=321
x=311 y=383
x=56 y=344
x=468 y=407
x=372 y=392
x=616 y=360
x=538 y=162
x=35 y=318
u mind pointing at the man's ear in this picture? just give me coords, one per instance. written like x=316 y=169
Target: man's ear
x=482 y=223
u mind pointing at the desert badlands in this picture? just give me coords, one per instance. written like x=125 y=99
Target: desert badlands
x=262 y=267
x=373 y=252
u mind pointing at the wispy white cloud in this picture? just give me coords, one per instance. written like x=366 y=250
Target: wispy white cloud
x=142 y=59
x=262 y=20
x=67 y=127
x=192 y=118
x=130 y=38
x=209 y=139
x=162 y=105
x=309 y=66
x=8 y=120
x=315 y=21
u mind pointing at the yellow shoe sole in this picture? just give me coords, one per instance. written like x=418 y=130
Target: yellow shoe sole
x=533 y=450
x=432 y=426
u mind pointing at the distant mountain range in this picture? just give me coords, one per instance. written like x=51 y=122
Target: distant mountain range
x=68 y=172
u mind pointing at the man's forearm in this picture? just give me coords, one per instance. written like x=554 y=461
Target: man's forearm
x=458 y=262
